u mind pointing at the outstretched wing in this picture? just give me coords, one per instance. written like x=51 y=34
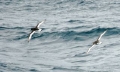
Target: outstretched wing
x=101 y=35
x=38 y=25
x=90 y=49
x=30 y=35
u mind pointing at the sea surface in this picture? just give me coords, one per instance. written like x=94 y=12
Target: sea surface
x=70 y=28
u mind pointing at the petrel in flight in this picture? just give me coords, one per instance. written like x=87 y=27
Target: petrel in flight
x=97 y=41
x=35 y=29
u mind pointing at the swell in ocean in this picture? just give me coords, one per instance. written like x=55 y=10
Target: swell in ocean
x=66 y=35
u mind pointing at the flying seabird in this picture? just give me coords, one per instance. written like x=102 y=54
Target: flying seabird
x=35 y=29
x=97 y=41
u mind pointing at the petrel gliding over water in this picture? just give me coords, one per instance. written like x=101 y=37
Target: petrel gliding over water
x=35 y=29
x=97 y=41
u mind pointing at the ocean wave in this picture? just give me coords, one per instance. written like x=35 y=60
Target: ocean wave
x=4 y=28
x=20 y=37
x=33 y=70
x=11 y=67
x=73 y=69
x=78 y=2
x=78 y=21
x=71 y=35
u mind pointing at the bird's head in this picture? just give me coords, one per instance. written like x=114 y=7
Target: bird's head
x=99 y=43
x=40 y=30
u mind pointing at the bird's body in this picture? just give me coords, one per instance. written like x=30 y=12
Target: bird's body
x=97 y=41
x=35 y=29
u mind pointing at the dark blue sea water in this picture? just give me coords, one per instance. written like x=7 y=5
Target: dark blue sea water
x=70 y=28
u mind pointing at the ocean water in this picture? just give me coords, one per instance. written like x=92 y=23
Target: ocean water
x=69 y=30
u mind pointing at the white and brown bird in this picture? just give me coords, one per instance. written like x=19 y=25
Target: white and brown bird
x=35 y=29
x=97 y=41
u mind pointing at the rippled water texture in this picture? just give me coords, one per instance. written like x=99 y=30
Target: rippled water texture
x=70 y=28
